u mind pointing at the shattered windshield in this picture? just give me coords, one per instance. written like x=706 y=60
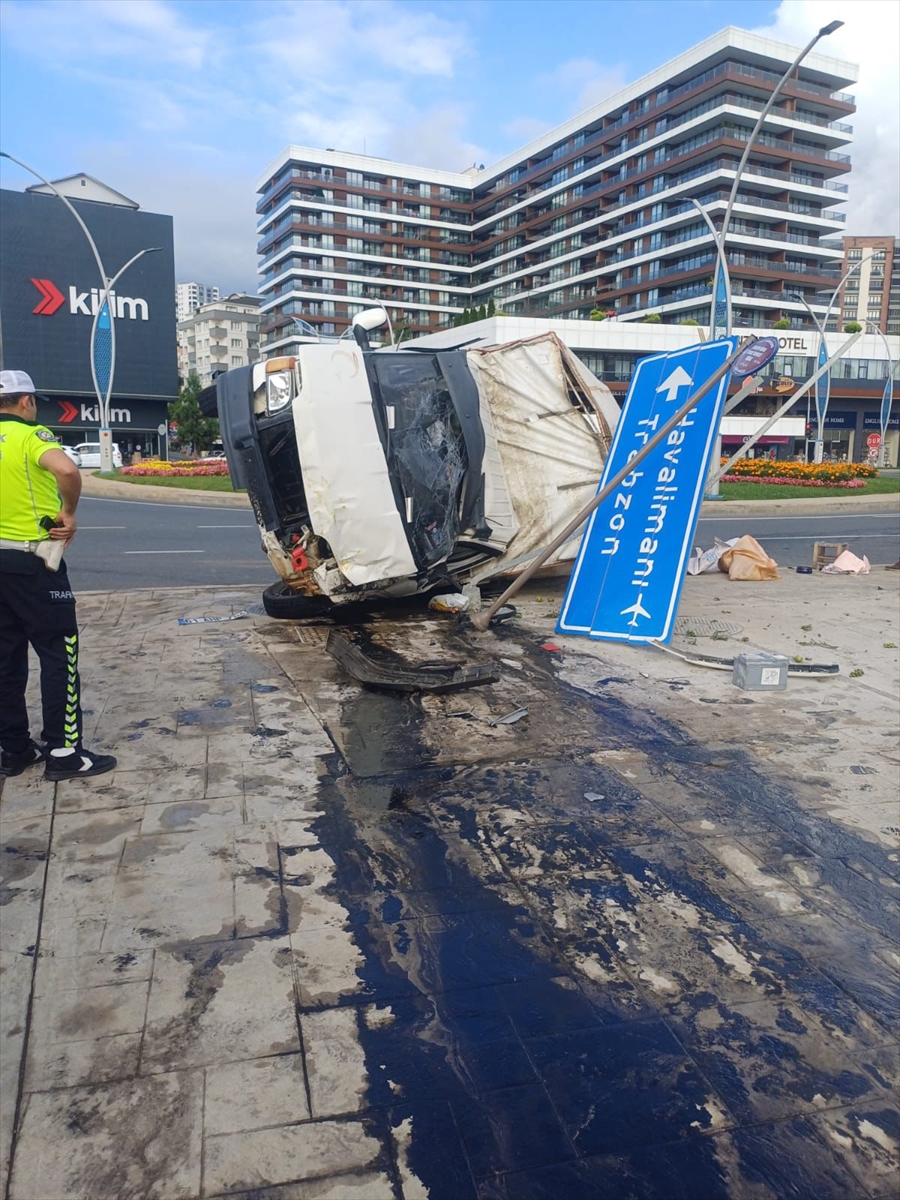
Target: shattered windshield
x=425 y=450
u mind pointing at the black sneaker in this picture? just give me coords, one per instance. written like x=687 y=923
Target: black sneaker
x=15 y=764
x=80 y=764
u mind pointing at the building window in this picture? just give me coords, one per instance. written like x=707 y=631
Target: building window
x=236 y=360
x=854 y=255
x=238 y=326
x=354 y=178
x=235 y=343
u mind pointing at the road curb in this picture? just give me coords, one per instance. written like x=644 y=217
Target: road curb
x=814 y=507
x=114 y=489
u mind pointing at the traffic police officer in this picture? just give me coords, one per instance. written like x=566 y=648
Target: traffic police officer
x=39 y=490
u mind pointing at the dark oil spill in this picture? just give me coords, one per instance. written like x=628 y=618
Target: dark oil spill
x=510 y=1061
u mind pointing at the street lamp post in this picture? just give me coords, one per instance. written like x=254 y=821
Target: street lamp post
x=720 y=318
x=823 y=386
x=103 y=328
x=721 y=285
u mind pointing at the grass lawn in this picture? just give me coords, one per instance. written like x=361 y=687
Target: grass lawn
x=787 y=491
x=202 y=483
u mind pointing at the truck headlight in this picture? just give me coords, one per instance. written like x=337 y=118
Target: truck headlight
x=278 y=391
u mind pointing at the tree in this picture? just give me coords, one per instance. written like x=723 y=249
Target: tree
x=784 y=323
x=653 y=319
x=688 y=321
x=853 y=327
x=191 y=425
x=491 y=308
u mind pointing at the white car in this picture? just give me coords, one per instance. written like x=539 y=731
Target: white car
x=89 y=453
x=72 y=453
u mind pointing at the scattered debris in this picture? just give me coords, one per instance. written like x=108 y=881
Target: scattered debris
x=510 y=718
x=746 y=561
x=506 y=613
x=857 y=673
x=551 y=647
x=826 y=552
x=703 y=561
x=761 y=672
x=422 y=677
x=593 y=796
x=806 y=628
x=727 y=664
x=804 y=570
x=213 y=620
x=452 y=602
x=847 y=563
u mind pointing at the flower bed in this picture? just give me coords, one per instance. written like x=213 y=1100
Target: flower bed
x=849 y=484
x=768 y=471
x=193 y=467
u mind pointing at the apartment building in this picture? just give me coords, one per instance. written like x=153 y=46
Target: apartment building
x=872 y=291
x=189 y=297
x=597 y=214
x=218 y=336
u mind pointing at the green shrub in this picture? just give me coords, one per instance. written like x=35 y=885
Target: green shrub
x=853 y=327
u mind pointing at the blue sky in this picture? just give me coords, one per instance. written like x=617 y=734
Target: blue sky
x=181 y=105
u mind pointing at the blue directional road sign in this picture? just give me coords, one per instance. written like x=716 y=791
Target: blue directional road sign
x=631 y=563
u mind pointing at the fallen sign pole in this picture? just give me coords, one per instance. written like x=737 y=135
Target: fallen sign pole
x=492 y=570
x=791 y=400
x=482 y=620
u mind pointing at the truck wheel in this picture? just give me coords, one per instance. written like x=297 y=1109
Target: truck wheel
x=282 y=601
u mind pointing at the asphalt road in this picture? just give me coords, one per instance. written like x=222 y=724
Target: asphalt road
x=124 y=544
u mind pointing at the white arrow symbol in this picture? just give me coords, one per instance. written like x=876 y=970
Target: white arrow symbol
x=678 y=379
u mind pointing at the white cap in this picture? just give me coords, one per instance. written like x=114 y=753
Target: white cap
x=16 y=382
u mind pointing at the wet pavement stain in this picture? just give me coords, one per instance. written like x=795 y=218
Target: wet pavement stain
x=571 y=984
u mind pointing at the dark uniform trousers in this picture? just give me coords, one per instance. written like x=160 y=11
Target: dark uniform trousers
x=37 y=606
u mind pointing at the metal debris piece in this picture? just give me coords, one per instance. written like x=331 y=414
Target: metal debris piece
x=430 y=677
x=727 y=664
x=510 y=719
x=213 y=620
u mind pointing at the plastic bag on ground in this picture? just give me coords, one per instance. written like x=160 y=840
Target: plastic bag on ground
x=702 y=561
x=847 y=564
x=746 y=561
x=453 y=602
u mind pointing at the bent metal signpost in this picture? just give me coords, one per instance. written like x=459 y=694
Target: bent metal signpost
x=631 y=564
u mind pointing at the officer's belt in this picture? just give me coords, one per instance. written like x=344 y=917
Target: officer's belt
x=28 y=547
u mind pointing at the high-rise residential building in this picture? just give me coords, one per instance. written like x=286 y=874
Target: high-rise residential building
x=596 y=214
x=872 y=292
x=218 y=336
x=189 y=297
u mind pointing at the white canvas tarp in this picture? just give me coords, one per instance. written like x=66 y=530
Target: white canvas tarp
x=551 y=422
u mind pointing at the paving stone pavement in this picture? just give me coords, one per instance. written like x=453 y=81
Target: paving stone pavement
x=310 y=942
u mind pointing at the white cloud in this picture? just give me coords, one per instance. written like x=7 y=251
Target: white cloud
x=435 y=139
x=523 y=130
x=870 y=37
x=586 y=81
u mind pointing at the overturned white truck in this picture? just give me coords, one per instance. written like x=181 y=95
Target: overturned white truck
x=389 y=472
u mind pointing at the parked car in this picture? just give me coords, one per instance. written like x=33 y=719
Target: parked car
x=72 y=453
x=394 y=471
x=90 y=454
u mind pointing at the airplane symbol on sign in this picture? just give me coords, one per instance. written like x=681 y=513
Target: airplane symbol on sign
x=637 y=610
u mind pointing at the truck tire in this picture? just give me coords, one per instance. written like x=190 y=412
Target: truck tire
x=208 y=400
x=283 y=602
